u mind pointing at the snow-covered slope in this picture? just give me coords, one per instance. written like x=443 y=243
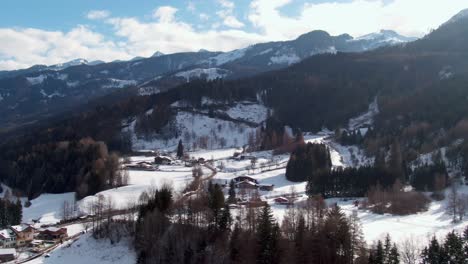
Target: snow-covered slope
x=47 y=208
x=366 y=119
x=89 y=250
x=199 y=73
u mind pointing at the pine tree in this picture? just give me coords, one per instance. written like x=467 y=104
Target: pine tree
x=387 y=248
x=215 y=202
x=232 y=193
x=267 y=236
x=394 y=256
x=434 y=253
x=396 y=161
x=379 y=257
x=225 y=219
x=235 y=244
x=180 y=149
x=453 y=247
x=18 y=212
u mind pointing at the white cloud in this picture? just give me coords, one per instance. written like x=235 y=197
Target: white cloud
x=233 y=22
x=227 y=14
x=356 y=17
x=20 y=48
x=165 y=14
x=98 y=14
x=144 y=38
x=226 y=4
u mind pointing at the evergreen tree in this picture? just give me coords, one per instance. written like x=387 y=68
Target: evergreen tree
x=267 y=237
x=232 y=193
x=434 y=254
x=180 y=149
x=396 y=161
x=225 y=219
x=235 y=245
x=379 y=257
x=394 y=256
x=387 y=248
x=453 y=248
x=215 y=202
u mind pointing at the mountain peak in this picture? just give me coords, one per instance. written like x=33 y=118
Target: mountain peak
x=461 y=15
x=157 y=54
x=386 y=35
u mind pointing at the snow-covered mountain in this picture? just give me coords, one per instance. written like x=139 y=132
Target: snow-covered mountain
x=382 y=38
x=75 y=62
x=50 y=88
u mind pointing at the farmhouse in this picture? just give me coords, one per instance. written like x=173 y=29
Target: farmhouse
x=143 y=165
x=244 y=178
x=246 y=185
x=283 y=200
x=7 y=254
x=24 y=234
x=7 y=238
x=162 y=160
x=53 y=233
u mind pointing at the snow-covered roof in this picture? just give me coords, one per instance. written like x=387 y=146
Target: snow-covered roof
x=6 y=233
x=247 y=182
x=20 y=228
x=7 y=251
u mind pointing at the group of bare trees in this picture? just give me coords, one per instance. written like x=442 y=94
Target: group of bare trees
x=457 y=203
x=395 y=200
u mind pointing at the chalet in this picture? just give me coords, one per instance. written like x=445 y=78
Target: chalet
x=7 y=254
x=244 y=178
x=24 y=234
x=162 y=160
x=253 y=202
x=143 y=165
x=246 y=185
x=7 y=238
x=283 y=200
x=53 y=233
x=266 y=187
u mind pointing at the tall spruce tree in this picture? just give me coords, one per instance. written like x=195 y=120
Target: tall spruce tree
x=267 y=237
x=232 y=193
x=394 y=255
x=180 y=149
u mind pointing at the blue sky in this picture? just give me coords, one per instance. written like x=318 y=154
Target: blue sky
x=54 y=31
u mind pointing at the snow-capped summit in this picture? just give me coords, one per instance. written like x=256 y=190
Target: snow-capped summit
x=388 y=36
x=64 y=65
x=461 y=15
x=157 y=54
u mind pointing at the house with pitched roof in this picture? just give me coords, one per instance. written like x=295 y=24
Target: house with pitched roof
x=7 y=238
x=24 y=234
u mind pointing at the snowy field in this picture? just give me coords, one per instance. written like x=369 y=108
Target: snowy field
x=176 y=176
x=89 y=250
x=47 y=208
x=194 y=127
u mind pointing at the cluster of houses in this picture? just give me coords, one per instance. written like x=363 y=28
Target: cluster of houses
x=25 y=235
x=246 y=182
